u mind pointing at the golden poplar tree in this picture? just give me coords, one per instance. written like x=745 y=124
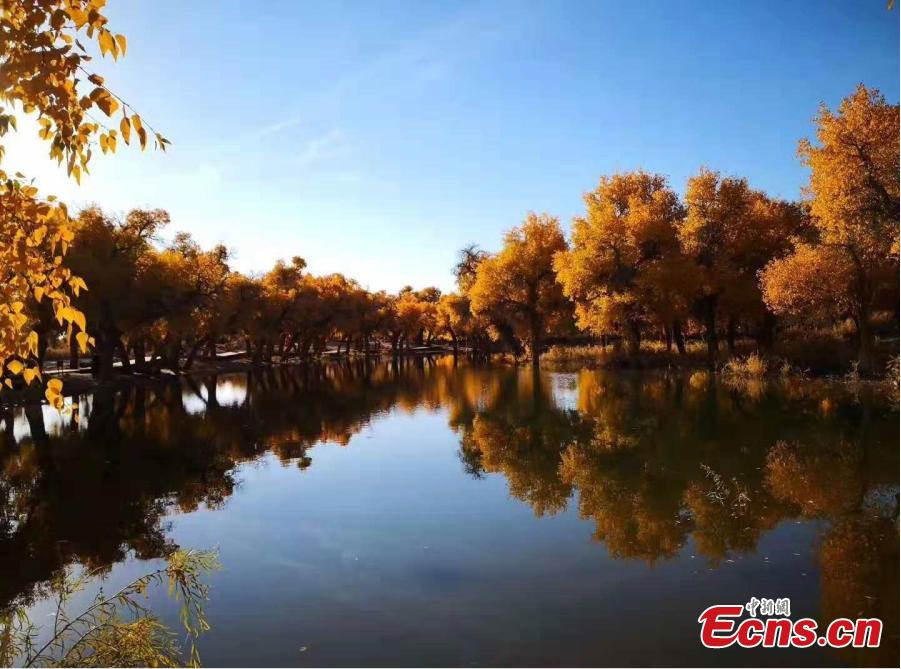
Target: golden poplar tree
x=518 y=284
x=625 y=270
x=46 y=72
x=851 y=267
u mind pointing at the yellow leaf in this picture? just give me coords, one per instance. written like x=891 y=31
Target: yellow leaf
x=107 y=43
x=82 y=339
x=125 y=128
x=54 y=385
x=31 y=341
x=14 y=366
x=120 y=40
x=77 y=284
x=78 y=319
x=54 y=398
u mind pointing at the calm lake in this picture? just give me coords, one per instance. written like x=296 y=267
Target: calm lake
x=427 y=513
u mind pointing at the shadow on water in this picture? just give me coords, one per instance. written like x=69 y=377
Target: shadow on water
x=653 y=463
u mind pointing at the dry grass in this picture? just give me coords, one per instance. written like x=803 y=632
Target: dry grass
x=752 y=367
x=652 y=355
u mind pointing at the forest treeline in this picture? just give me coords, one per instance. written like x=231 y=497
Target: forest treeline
x=724 y=262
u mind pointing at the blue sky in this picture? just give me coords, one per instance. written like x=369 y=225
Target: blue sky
x=377 y=138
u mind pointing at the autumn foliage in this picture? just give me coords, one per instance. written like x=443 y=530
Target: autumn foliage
x=723 y=262
x=44 y=49
x=849 y=266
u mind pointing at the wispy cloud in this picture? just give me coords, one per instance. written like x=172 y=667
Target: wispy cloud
x=273 y=128
x=320 y=147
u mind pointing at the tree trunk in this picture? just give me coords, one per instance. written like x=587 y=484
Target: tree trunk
x=535 y=342
x=140 y=354
x=42 y=347
x=36 y=427
x=102 y=361
x=668 y=337
x=865 y=360
x=192 y=354
x=765 y=333
x=678 y=337
x=509 y=338
x=709 y=312
x=173 y=356
x=731 y=328
x=73 y=351
x=257 y=357
x=123 y=355
x=633 y=334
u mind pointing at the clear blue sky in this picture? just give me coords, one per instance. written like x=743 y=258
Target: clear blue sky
x=377 y=138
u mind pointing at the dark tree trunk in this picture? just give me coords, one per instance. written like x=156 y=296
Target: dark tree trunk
x=731 y=328
x=102 y=361
x=509 y=338
x=123 y=355
x=633 y=334
x=678 y=337
x=173 y=355
x=865 y=362
x=535 y=342
x=257 y=357
x=140 y=354
x=708 y=308
x=42 y=348
x=73 y=352
x=765 y=333
x=35 y=417
x=192 y=354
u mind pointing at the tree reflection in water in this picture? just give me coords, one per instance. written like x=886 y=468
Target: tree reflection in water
x=652 y=460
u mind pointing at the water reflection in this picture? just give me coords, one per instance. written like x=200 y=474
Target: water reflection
x=655 y=462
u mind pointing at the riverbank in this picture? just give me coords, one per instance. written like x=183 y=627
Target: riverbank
x=80 y=380
x=813 y=357
x=743 y=366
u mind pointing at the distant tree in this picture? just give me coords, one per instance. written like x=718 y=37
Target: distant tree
x=519 y=284
x=731 y=231
x=117 y=259
x=454 y=317
x=625 y=269
x=465 y=270
x=852 y=264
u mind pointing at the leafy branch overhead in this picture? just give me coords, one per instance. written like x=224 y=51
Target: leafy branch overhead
x=45 y=51
x=46 y=71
